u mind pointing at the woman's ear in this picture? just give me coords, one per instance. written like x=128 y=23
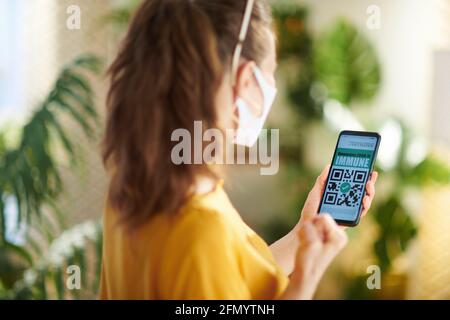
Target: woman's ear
x=244 y=77
x=248 y=89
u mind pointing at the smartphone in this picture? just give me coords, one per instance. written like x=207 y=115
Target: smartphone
x=351 y=168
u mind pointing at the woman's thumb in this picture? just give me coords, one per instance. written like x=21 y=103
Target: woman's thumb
x=313 y=201
x=321 y=180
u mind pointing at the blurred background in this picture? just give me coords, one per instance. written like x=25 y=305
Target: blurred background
x=350 y=64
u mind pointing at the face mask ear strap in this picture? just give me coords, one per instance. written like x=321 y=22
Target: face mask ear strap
x=242 y=35
x=260 y=78
x=265 y=86
x=235 y=64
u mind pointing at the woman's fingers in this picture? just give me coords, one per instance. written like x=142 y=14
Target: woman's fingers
x=312 y=203
x=370 y=186
x=322 y=179
x=333 y=238
x=308 y=234
x=322 y=228
x=367 y=202
x=320 y=241
x=319 y=185
x=331 y=233
x=336 y=238
x=310 y=246
x=370 y=193
x=374 y=176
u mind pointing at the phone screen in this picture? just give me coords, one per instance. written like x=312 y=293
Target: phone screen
x=350 y=170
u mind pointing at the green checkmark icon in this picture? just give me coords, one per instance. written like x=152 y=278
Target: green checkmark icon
x=345 y=187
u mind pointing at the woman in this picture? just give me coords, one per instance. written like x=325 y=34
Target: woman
x=170 y=231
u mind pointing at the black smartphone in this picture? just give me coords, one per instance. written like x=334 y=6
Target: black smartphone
x=351 y=168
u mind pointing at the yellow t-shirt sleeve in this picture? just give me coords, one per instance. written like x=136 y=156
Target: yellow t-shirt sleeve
x=210 y=261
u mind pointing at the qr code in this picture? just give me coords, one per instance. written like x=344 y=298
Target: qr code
x=345 y=187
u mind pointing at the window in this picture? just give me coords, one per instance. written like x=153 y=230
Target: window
x=12 y=84
x=12 y=90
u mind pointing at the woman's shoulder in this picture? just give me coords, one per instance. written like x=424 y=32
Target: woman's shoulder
x=208 y=215
x=200 y=224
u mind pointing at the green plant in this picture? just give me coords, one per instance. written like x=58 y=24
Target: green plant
x=294 y=39
x=342 y=65
x=25 y=271
x=29 y=171
x=346 y=65
x=339 y=64
x=120 y=16
x=79 y=246
x=396 y=227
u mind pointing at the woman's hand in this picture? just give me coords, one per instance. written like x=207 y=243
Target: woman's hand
x=284 y=249
x=312 y=203
x=320 y=240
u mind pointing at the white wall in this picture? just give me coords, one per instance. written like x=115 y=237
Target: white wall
x=40 y=37
x=440 y=130
x=27 y=65
x=410 y=31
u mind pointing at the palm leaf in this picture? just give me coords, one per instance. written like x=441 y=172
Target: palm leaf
x=30 y=173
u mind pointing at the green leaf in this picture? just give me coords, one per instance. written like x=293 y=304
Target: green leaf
x=61 y=134
x=89 y=62
x=84 y=101
x=396 y=230
x=119 y=17
x=77 y=116
x=430 y=170
x=21 y=251
x=29 y=172
x=41 y=285
x=293 y=37
x=58 y=280
x=2 y=219
x=34 y=246
x=346 y=64
x=76 y=81
x=79 y=255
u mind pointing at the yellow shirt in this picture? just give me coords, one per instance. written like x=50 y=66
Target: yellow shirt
x=205 y=252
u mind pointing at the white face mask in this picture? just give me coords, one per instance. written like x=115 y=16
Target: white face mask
x=250 y=126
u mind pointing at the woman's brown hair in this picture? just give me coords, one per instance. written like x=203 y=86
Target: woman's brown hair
x=165 y=77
